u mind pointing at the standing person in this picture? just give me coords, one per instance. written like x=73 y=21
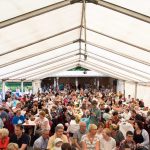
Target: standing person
x=128 y=142
x=128 y=100
x=95 y=113
x=90 y=141
x=73 y=126
x=20 y=138
x=42 y=141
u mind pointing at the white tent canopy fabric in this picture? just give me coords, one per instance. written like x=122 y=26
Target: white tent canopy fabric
x=110 y=37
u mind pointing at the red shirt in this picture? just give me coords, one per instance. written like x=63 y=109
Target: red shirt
x=4 y=143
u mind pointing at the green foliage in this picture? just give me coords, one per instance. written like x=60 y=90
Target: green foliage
x=78 y=69
x=14 y=85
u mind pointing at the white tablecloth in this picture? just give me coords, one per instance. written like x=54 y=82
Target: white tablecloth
x=30 y=123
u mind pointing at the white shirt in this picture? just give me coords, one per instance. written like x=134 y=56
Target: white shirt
x=106 y=116
x=99 y=135
x=107 y=145
x=126 y=116
x=8 y=104
x=44 y=123
x=73 y=127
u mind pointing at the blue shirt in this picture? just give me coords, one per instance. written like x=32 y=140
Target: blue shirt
x=18 y=120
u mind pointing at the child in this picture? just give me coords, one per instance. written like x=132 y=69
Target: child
x=57 y=144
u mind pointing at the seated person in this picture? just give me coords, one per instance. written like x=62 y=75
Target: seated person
x=4 y=139
x=42 y=141
x=57 y=144
x=78 y=135
x=115 y=117
x=58 y=134
x=107 y=142
x=141 y=136
x=128 y=142
x=116 y=134
x=18 y=118
x=20 y=138
x=42 y=122
x=135 y=117
x=12 y=146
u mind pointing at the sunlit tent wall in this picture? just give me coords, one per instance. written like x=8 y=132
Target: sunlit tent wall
x=110 y=37
x=136 y=90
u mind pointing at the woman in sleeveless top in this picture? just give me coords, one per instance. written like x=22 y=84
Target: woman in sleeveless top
x=141 y=136
x=90 y=141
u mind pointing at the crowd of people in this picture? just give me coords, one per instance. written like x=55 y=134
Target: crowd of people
x=83 y=119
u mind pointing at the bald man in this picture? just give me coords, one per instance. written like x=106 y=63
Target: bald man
x=78 y=135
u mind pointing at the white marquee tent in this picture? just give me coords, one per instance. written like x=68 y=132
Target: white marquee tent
x=42 y=37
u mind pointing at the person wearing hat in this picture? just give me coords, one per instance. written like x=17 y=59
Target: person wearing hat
x=57 y=144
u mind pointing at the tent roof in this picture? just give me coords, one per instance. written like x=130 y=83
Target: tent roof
x=40 y=39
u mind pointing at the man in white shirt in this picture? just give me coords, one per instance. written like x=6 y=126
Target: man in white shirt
x=128 y=100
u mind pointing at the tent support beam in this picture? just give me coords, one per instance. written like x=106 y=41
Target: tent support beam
x=115 y=62
x=35 y=13
x=43 y=65
x=81 y=28
x=119 y=40
x=3 y=89
x=135 y=96
x=122 y=10
x=39 y=53
x=67 y=66
x=44 y=61
x=124 y=89
x=50 y=69
x=107 y=71
x=105 y=62
x=41 y=40
x=113 y=51
x=111 y=71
